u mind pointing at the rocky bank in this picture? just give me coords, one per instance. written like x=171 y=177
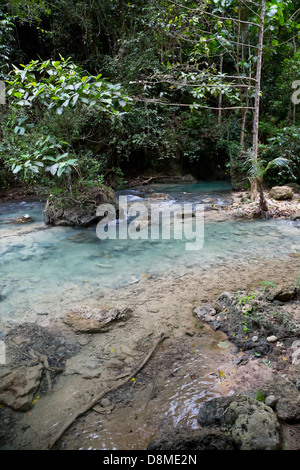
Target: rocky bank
x=265 y=324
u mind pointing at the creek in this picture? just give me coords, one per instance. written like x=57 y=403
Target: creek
x=36 y=266
x=46 y=270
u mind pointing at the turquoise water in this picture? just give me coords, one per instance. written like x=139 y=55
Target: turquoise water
x=40 y=268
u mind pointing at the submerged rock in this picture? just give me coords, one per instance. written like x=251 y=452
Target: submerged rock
x=162 y=196
x=22 y=220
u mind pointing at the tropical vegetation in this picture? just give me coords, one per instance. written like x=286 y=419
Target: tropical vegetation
x=105 y=90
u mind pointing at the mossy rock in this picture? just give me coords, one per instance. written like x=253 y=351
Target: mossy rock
x=79 y=209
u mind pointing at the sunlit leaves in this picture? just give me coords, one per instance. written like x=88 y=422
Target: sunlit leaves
x=49 y=155
x=61 y=84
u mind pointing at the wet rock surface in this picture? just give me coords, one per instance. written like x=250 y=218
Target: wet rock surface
x=35 y=357
x=18 y=386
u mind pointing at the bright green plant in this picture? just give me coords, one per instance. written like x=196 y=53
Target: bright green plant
x=61 y=84
x=47 y=155
x=246 y=299
x=41 y=90
x=266 y=284
x=257 y=171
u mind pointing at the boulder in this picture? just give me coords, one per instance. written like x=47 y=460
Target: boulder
x=287 y=398
x=18 y=386
x=82 y=210
x=86 y=320
x=189 y=179
x=283 y=293
x=281 y=193
x=296 y=216
x=250 y=423
x=206 y=311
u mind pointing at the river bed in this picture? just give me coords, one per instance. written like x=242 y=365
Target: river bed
x=46 y=271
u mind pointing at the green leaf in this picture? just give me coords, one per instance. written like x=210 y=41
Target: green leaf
x=17 y=168
x=259 y=396
x=60 y=171
x=53 y=168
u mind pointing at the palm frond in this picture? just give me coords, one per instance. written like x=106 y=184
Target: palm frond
x=277 y=162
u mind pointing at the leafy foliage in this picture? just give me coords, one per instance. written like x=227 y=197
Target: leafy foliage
x=189 y=68
x=41 y=90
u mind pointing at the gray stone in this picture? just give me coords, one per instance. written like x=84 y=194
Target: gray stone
x=288 y=398
x=205 y=312
x=271 y=400
x=92 y=320
x=272 y=339
x=250 y=423
x=42 y=312
x=18 y=386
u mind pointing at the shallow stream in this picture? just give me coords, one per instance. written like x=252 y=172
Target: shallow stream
x=43 y=270
x=42 y=264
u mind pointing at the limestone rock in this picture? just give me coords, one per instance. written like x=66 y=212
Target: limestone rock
x=272 y=339
x=86 y=320
x=81 y=211
x=282 y=293
x=18 y=386
x=205 y=311
x=189 y=179
x=281 y=193
x=287 y=396
x=250 y=423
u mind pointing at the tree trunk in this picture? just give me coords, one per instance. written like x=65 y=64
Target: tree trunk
x=220 y=96
x=257 y=92
x=263 y=204
x=244 y=119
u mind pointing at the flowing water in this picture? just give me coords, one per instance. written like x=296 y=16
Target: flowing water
x=41 y=264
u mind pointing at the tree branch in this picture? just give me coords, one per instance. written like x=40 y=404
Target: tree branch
x=212 y=14
x=163 y=103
